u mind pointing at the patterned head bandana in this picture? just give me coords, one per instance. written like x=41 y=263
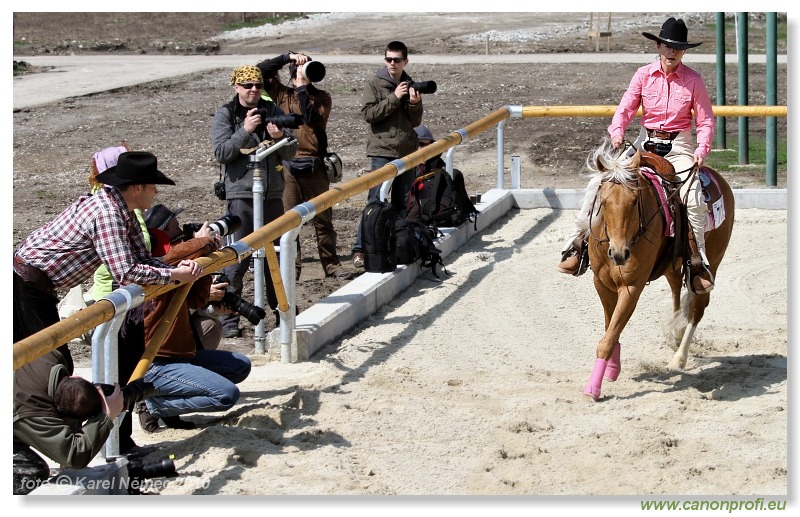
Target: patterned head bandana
x=246 y=74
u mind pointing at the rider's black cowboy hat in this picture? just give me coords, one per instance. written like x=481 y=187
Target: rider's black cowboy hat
x=673 y=34
x=134 y=168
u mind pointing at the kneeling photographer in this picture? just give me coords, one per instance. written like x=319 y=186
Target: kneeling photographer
x=188 y=378
x=66 y=418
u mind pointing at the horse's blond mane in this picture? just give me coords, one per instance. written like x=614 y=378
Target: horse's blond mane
x=613 y=164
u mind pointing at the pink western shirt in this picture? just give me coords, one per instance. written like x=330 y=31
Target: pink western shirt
x=667 y=103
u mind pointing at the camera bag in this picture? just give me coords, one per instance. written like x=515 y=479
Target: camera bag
x=303 y=166
x=441 y=200
x=415 y=241
x=378 y=238
x=333 y=166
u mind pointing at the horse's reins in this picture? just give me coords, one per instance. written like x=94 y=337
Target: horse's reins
x=640 y=208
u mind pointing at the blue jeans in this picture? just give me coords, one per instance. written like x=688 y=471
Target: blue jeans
x=401 y=186
x=206 y=382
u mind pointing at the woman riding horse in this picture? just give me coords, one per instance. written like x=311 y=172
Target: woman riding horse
x=632 y=242
x=667 y=91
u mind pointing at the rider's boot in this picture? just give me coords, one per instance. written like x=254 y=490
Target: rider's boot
x=574 y=257
x=701 y=279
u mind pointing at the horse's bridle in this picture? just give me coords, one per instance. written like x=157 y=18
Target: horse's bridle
x=639 y=205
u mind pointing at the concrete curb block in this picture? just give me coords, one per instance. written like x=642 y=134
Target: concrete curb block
x=351 y=305
x=767 y=198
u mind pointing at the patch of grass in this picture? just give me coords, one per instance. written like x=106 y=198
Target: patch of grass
x=21 y=67
x=728 y=159
x=257 y=22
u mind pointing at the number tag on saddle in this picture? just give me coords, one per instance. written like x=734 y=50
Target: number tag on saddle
x=713 y=196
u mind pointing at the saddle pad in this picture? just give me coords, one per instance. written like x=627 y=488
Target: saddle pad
x=714 y=200
x=655 y=179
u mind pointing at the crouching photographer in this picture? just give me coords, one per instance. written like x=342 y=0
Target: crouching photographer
x=188 y=377
x=64 y=417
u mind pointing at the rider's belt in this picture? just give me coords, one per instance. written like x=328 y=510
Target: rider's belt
x=33 y=276
x=663 y=135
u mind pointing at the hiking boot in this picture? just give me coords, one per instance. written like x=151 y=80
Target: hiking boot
x=147 y=421
x=701 y=282
x=229 y=331
x=358 y=259
x=341 y=273
x=177 y=422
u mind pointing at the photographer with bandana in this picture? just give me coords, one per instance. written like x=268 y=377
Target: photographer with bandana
x=237 y=125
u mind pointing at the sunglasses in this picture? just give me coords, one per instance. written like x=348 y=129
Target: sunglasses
x=396 y=60
x=248 y=86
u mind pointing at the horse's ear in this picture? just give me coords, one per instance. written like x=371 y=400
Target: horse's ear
x=635 y=161
x=599 y=165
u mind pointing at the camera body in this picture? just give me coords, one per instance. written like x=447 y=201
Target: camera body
x=659 y=148
x=291 y=121
x=253 y=313
x=225 y=225
x=219 y=190
x=423 y=86
x=132 y=392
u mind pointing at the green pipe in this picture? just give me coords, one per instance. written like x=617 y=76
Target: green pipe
x=772 y=99
x=741 y=49
x=720 y=126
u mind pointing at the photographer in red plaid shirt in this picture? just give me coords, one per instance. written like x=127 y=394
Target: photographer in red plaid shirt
x=95 y=229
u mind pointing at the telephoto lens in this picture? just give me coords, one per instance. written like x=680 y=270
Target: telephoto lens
x=291 y=121
x=234 y=302
x=226 y=225
x=314 y=71
x=423 y=86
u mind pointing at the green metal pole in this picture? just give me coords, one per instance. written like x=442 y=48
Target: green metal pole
x=720 y=129
x=772 y=99
x=741 y=49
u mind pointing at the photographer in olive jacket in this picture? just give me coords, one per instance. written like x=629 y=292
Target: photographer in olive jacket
x=238 y=125
x=307 y=177
x=68 y=419
x=392 y=108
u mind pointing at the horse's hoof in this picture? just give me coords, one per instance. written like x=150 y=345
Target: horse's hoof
x=591 y=392
x=675 y=366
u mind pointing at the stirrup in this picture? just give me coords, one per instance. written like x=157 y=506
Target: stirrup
x=579 y=248
x=583 y=257
x=696 y=267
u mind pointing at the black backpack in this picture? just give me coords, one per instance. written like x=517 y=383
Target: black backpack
x=441 y=200
x=378 y=240
x=415 y=241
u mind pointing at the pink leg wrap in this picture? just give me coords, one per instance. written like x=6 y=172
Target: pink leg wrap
x=595 y=383
x=614 y=365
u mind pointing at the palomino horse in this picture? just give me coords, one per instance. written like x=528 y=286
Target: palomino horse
x=628 y=248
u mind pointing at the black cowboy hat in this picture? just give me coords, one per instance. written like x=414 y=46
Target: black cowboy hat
x=159 y=216
x=673 y=34
x=134 y=168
